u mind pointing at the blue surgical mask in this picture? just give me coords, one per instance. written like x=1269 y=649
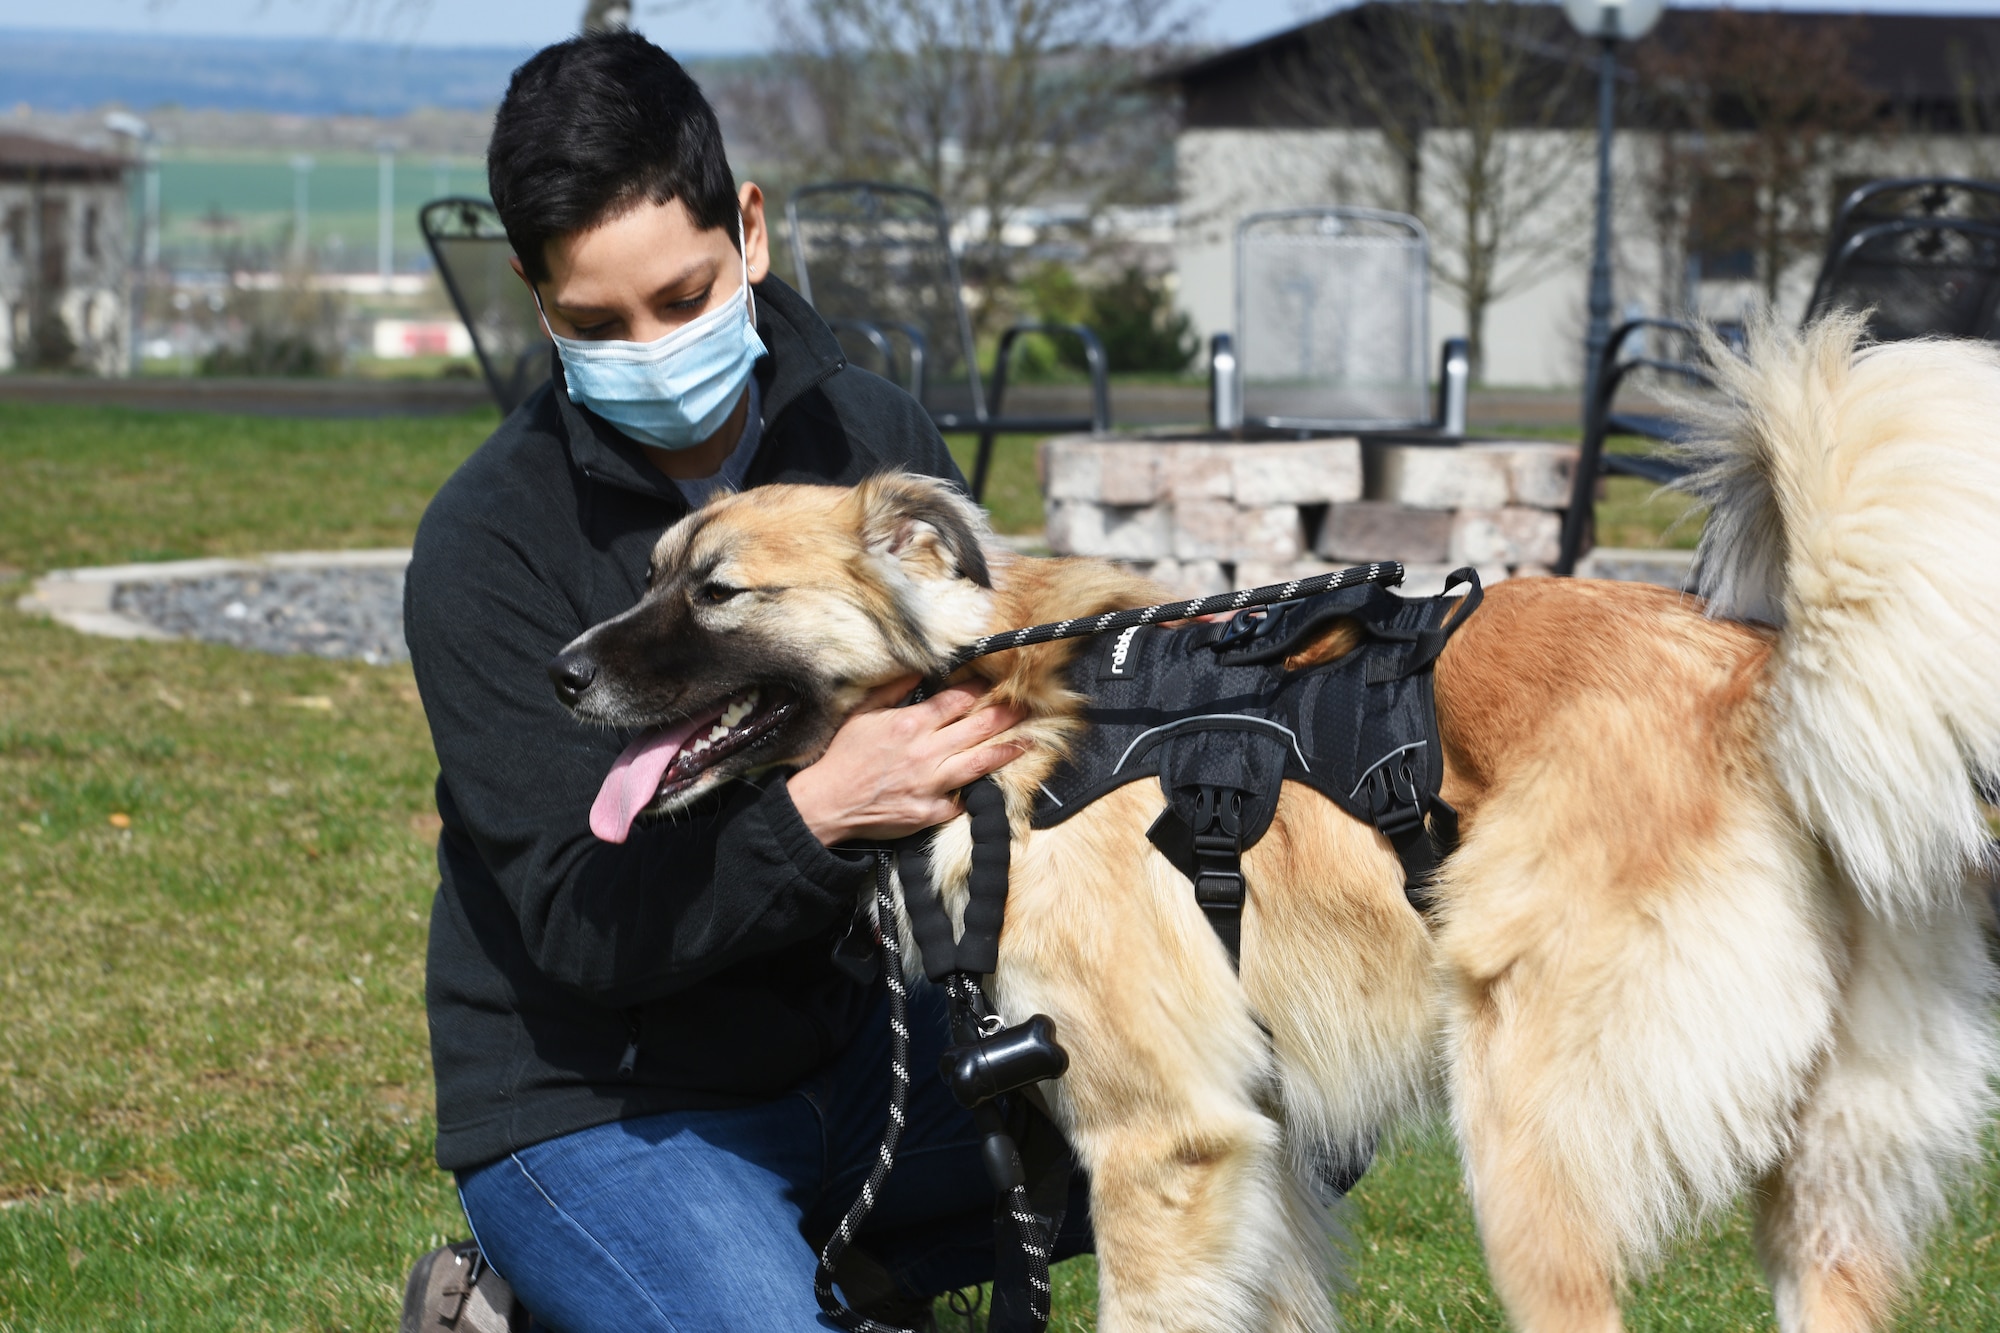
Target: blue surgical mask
x=677 y=390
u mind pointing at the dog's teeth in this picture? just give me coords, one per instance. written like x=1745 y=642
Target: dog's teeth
x=718 y=731
x=739 y=710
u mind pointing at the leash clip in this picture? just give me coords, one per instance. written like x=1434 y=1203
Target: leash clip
x=1251 y=624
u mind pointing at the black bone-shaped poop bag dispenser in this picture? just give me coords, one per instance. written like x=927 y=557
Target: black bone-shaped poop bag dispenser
x=987 y=1067
x=979 y=1070
x=985 y=1064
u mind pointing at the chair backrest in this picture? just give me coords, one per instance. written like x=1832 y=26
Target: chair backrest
x=1918 y=277
x=1332 y=319
x=876 y=262
x=1897 y=198
x=471 y=249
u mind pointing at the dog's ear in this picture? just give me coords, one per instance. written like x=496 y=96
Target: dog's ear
x=926 y=524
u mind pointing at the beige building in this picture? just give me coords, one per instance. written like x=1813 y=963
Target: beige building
x=63 y=258
x=1270 y=126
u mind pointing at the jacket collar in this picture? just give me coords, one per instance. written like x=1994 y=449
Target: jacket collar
x=800 y=351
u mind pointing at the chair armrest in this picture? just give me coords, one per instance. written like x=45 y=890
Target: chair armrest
x=877 y=339
x=1093 y=356
x=1600 y=422
x=1225 y=385
x=1454 y=386
x=1656 y=468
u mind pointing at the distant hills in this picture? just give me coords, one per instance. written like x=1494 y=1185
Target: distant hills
x=53 y=71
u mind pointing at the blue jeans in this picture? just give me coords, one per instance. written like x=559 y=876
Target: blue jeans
x=694 y=1221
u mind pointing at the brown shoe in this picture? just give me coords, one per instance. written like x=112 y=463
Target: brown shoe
x=453 y=1290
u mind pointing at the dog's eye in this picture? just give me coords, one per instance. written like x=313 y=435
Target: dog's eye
x=715 y=594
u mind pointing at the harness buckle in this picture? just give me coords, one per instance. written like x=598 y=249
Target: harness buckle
x=1219 y=889
x=1397 y=809
x=1218 y=807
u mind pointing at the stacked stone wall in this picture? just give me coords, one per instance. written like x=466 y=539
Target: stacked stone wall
x=1202 y=517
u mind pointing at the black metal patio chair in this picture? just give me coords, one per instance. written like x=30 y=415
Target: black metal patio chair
x=876 y=261
x=1916 y=277
x=471 y=250
x=1933 y=270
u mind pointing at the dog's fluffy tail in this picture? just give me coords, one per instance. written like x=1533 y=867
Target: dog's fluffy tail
x=1855 y=502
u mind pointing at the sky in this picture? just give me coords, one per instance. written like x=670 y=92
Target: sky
x=691 y=26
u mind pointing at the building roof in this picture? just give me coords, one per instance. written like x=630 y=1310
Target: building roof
x=1917 y=63
x=27 y=156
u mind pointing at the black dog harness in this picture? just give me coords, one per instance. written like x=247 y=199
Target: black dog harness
x=1213 y=713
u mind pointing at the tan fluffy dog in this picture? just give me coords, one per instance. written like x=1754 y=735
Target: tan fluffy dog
x=1707 y=930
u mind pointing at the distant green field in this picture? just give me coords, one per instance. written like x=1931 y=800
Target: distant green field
x=210 y=202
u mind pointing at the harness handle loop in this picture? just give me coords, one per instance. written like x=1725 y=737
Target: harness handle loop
x=1387 y=573
x=978 y=947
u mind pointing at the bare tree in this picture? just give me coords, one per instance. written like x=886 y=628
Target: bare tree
x=992 y=105
x=606 y=15
x=1473 y=100
x=1769 y=108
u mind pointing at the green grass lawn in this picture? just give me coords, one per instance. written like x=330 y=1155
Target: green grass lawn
x=215 y=876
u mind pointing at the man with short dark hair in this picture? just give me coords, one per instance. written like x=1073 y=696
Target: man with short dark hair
x=653 y=1081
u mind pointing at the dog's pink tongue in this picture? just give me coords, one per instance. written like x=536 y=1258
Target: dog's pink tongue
x=635 y=779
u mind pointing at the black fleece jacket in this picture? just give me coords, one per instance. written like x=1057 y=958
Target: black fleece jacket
x=703 y=943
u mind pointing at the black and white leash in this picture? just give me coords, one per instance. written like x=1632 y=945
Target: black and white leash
x=1036 y=1243
x=830 y=1303
x=1388 y=573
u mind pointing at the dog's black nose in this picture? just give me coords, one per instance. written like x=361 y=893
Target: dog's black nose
x=571 y=673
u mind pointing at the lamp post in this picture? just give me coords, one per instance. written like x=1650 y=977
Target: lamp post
x=302 y=166
x=146 y=254
x=385 y=213
x=1609 y=22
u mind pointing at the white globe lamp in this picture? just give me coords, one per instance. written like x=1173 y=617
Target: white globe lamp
x=1614 y=20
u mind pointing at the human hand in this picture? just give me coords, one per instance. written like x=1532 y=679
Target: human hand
x=890 y=771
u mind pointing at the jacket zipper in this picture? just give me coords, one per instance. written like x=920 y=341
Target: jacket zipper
x=630 y=1060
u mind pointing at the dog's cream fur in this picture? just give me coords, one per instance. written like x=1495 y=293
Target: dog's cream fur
x=1708 y=930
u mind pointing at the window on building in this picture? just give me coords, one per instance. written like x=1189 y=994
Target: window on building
x=1722 y=228
x=90 y=232
x=16 y=227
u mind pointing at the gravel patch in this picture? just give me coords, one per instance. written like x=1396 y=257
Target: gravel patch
x=349 y=613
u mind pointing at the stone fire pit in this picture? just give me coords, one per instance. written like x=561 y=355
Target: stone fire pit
x=1202 y=515
x=333 y=604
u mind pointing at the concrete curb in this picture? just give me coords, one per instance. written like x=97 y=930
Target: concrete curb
x=82 y=598
x=1670 y=569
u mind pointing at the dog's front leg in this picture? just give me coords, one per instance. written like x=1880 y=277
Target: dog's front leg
x=1199 y=1223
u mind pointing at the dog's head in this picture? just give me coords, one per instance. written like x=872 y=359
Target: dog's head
x=768 y=616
